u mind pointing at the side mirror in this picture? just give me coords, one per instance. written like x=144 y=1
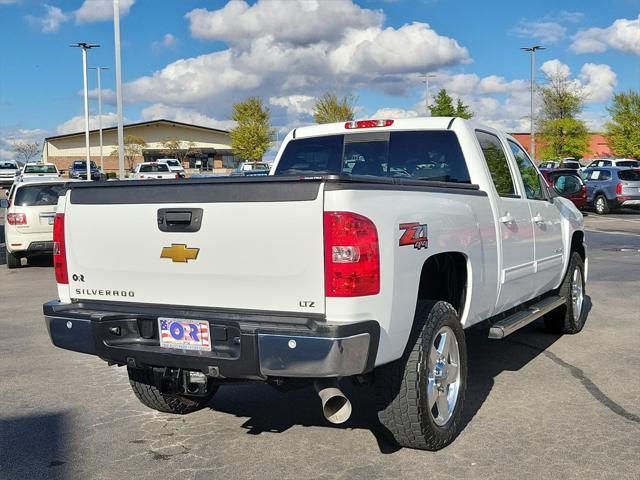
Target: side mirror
x=4 y=203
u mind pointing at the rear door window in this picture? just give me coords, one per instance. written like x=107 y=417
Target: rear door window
x=530 y=176
x=38 y=195
x=423 y=155
x=629 y=175
x=498 y=164
x=599 y=175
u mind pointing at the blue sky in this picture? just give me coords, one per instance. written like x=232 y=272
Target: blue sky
x=189 y=60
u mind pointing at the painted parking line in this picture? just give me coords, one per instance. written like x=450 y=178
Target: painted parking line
x=590 y=218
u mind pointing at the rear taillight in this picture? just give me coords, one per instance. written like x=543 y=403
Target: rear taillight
x=177 y=177
x=619 y=189
x=368 y=124
x=141 y=176
x=16 y=219
x=583 y=192
x=60 y=250
x=351 y=257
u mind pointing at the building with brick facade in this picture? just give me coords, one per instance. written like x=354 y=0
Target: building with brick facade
x=202 y=148
x=598 y=145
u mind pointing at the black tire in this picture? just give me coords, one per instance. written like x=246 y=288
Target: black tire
x=563 y=320
x=601 y=205
x=13 y=261
x=401 y=386
x=144 y=388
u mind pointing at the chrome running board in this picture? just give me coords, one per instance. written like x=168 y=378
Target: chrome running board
x=508 y=325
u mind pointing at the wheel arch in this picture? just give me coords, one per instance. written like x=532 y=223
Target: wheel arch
x=451 y=272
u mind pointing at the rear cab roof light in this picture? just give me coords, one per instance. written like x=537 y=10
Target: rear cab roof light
x=367 y=124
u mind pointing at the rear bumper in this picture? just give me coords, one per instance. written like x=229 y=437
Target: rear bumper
x=245 y=345
x=628 y=200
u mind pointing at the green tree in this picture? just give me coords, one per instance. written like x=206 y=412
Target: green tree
x=329 y=108
x=463 y=111
x=179 y=149
x=561 y=133
x=133 y=147
x=251 y=137
x=623 y=131
x=443 y=106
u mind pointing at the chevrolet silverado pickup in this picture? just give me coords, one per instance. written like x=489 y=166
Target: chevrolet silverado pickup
x=364 y=255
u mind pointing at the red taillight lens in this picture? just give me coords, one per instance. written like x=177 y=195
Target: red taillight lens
x=351 y=257
x=583 y=192
x=16 y=219
x=177 y=177
x=368 y=124
x=619 y=189
x=60 y=250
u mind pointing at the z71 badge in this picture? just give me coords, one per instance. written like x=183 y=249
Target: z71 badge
x=414 y=234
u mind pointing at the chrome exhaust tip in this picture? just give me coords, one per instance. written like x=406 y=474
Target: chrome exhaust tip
x=336 y=407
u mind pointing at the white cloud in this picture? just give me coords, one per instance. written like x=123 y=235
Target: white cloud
x=168 y=41
x=297 y=22
x=99 y=10
x=76 y=124
x=599 y=82
x=51 y=21
x=393 y=113
x=623 y=34
x=10 y=135
x=545 y=31
x=295 y=50
x=555 y=67
x=186 y=115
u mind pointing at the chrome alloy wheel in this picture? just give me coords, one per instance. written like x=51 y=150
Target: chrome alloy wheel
x=577 y=293
x=443 y=382
x=600 y=205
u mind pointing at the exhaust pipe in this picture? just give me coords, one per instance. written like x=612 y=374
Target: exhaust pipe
x=336 y=407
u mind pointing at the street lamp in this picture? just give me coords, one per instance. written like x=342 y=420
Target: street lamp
x=532 y=50
x=427 y=76
x=85 y=47
x=116 y=37
x=98 y=70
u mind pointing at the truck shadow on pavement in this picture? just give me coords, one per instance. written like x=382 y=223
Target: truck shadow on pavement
x=271 y=411
x=33 y=446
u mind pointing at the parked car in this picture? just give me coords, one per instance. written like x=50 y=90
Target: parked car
x=372 y=276
x=609 y=188
x=251 y=169
x=9 y=169
x=567 y=183
x=614 y=162
x=30 y=211
x=549 y=164
x=39 y=170
x=174 y=165
x=571 y=164
x=153 y=171
x=78 y=170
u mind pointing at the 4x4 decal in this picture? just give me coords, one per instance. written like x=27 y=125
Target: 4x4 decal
x=414 y=234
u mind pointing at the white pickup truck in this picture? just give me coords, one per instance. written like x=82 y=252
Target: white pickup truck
x=365 y=253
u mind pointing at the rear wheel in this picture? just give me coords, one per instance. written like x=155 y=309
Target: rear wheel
x=420 y=396
x=13 y=261
x=144 y=387
x=570 y=317
x=602 y=205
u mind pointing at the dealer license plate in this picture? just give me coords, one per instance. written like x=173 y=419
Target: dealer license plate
x=184 y=334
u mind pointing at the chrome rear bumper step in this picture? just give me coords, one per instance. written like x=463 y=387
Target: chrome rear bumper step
x=508 y=325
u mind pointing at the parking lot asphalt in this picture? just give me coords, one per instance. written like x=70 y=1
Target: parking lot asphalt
x=539 y=406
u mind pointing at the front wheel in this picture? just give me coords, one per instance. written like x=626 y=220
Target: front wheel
x=570 y=317
x=149 y=394
x=420 y=396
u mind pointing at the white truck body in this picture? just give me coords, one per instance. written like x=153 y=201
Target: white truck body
x=258 y=257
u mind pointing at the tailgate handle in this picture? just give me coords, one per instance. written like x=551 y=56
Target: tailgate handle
x=179 y=219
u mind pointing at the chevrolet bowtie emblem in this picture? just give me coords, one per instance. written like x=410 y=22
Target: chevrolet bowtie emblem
x=179 y=253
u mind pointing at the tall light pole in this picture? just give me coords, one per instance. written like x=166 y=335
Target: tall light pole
x=116 y=35
x=85 y=47
x=426 y=77
x=98 y=70
x=532 y=50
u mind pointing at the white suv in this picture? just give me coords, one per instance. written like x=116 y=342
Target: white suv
x=8 y=171
x=28 y=222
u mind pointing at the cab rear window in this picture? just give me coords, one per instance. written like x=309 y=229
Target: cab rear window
x=38 y=195
x=8 y=166
x=422 y=155
x=156 y=167
x=40 y=169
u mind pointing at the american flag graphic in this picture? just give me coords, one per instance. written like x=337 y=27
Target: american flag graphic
x=189 y=335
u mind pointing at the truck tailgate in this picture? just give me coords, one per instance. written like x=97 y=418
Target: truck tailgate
x=259 y=245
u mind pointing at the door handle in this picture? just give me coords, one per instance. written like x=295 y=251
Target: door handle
x=538 y=219
x=179 y=219
x=507 y=218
